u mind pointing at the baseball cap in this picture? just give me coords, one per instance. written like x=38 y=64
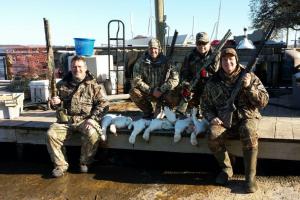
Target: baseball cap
x=154 y=43
x=229 y=51
x=202 y=37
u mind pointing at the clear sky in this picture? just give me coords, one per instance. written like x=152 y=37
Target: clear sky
x=22 y=21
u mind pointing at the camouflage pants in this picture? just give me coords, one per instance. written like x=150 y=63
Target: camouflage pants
x=143 y=100
x=59 y=133
x=245 y=129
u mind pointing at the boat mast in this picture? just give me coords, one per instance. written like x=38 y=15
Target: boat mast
x=159 y=21
x=217 y=27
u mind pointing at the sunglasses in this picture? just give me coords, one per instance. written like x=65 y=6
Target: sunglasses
x=201 y=43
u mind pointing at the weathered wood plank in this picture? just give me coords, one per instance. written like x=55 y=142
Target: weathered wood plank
x=30 y=136
x=284 y=128
x=296 y=128
x=266 y=127
x=12 y=123
x=36 y=125
x=7 y=135
x=270 y=150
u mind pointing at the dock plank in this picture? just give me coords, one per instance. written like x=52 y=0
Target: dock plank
x=279 y=134
x=12 y=123
x=266 y=127
x=7 y=135
x=296 y=128
x=284 y=129
x=26 y=136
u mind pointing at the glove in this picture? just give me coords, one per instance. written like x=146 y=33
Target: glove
x=186 y=94
x=203 y=73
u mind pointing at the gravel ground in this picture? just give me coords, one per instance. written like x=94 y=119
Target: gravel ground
x=85 y=186
x=144 y=175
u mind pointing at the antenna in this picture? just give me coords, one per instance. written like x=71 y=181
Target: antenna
x=218 y=21
x=150 y=22
x=193 y=26
x=131 y=26
x=213 y=31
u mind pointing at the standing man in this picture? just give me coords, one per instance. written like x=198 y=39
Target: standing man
x=191 y=67
x=251 y=98
x=80 y=107
x=154 y=80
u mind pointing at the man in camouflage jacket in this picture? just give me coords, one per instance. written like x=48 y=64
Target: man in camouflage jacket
x=80 y=106
x=154 y=80
x=191 y=67
x=252 y=97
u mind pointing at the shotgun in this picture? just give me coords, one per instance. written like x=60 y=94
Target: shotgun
x=169 y=55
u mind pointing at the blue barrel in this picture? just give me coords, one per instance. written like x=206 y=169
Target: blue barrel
x=84 y=46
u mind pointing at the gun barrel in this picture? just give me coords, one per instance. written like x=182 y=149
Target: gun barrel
x=171 y=50
x=224 y=40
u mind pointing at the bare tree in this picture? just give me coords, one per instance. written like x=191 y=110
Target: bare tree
x=285 y=13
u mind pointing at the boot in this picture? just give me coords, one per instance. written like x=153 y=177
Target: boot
x=250 y=160
x=224 y=162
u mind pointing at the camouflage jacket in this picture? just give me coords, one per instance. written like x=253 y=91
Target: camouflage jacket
x=82 y=100
x=148 y=75
x=192 y=64
x=218 y=90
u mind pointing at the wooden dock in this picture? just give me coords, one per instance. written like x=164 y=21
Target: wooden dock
x=279 y=134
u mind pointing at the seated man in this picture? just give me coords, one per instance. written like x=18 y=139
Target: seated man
x=154 y=80
x=252 y=97
x=80 y=107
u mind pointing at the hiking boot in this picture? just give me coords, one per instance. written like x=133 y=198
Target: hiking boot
x=222 y=178
x=84 y=168
x=58 y=171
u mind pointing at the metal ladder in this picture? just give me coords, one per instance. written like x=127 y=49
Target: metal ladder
x=117 y=38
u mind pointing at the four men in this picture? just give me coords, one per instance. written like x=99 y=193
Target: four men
x=80 y=104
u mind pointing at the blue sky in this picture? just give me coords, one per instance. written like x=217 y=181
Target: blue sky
x=22 y=21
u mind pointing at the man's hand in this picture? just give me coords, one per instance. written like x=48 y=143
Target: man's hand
x=55 y=101
x=88 y=124
x=216 y=121
x=186 y=93
x=246 y=80
x=157 y=93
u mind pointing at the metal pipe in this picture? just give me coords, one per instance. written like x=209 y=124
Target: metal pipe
x=159 y=21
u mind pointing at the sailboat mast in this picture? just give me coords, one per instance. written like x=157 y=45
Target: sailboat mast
x=218 y=22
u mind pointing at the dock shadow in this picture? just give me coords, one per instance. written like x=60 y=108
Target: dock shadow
x=151 y=176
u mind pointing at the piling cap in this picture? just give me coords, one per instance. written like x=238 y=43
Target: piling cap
x=229 y=51
x=202 y=37
x=154 y=43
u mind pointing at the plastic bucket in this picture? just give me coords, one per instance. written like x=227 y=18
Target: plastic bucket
x=84 y=46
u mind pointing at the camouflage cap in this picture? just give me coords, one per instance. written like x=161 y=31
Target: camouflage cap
x=229 y=51
x=154 y=43
x=202 y=37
